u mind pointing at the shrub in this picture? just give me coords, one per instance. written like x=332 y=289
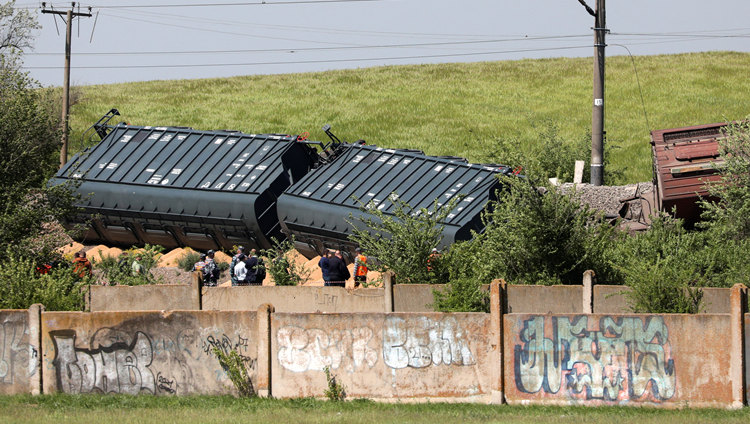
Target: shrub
x=534 y=237
x=402 y=242
x=335 y=391
x=120 y=270
x=22 y=286
x=188 y=260
x=236 y=368
x=666 y=266
x=283 y=269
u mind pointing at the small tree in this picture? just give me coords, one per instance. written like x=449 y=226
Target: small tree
x=402 y=240
x=730 y=213
x=283 y=269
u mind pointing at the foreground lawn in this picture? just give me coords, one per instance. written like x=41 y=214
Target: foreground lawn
x=211 y=409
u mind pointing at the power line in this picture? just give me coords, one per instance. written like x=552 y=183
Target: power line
x=300 y=62
x=260 y=3
x=295 y=49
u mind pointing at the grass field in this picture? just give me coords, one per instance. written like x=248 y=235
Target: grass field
x=207 y=409
x=448 y=109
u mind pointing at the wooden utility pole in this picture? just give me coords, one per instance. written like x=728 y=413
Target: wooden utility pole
x=69 y=15
x=597 y=119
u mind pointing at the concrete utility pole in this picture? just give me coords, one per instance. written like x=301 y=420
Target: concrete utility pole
x=597 y=118
x=69 y=15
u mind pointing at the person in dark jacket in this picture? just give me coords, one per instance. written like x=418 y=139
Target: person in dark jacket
x=251 y=264
x=323 y=264
x=337 y=271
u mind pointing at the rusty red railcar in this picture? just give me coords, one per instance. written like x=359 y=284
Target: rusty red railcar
x=685 y=159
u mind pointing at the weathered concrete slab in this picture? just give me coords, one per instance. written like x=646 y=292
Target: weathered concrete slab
x=17 y=354
x=610 y=299
x=293 y=299
x=144 y=352
x=544 y=299
x=414 y=297
x=671 y=360
x=150 y=297
x=383 y=356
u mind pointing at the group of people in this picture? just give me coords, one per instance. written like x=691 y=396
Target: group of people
x=335 y=272
x=247 y=270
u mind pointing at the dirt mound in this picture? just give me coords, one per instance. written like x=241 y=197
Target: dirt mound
x=71 y=248
x=222 y=257
x=171 y=258
x=95 y=253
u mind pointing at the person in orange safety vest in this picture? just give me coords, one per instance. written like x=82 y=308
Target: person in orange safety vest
x=360 y=268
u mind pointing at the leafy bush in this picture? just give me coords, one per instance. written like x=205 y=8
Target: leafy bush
x=236 y=368
x=188 y=260
x=283 y=269
x=463 y=294
x=402 y=242
x=22 y=286
x=666 y=266
x=730 y=213
x=534 y=237
x=335 y=391
x=120 y=270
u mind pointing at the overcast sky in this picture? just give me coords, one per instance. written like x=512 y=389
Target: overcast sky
x=137 y=40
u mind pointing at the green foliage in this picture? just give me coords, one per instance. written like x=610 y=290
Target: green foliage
x=236 y=368
x=335 y=391
x=401 y=242
x=462 y=294
x=666 y=266
x=120 y=270
x=534 y=237
x=549 y=157
x=188 y=260
x=22 y=286
x=730 y=213
x=281 y=266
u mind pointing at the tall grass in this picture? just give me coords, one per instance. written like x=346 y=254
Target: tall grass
x=449 y=109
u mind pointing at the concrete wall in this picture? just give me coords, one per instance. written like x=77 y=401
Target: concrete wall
x=670 y=360
x=19 y=351
x=144 y=352
x=616 y=359
x=151 y=297
x=293 y=299
x=382 y=356
x=609 y=299
x=544 y=299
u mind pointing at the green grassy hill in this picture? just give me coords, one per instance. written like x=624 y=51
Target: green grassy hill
x=448 y=109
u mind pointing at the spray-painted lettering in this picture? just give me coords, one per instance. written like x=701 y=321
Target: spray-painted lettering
x=13 y=350
x=313 y=349
x=116 y=366
x=627 y=358
x=422 y=342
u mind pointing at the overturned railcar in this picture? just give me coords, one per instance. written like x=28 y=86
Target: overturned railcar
x=684 y=160
x=320 y=208
x=176 y=187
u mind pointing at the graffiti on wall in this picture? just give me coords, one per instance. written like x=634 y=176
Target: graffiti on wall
x=627 y=358
x=415 y=343
x=302 y=349
x=423 y=341
x=154 y=362
x=15 y=351
x=116 y=365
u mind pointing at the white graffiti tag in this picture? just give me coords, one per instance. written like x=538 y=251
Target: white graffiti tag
x=422 y=342
x=313 y=349
x=620 y=361
x=14 y=349
x=116 y=368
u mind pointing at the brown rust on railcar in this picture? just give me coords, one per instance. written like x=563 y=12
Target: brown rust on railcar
x=684 y=160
